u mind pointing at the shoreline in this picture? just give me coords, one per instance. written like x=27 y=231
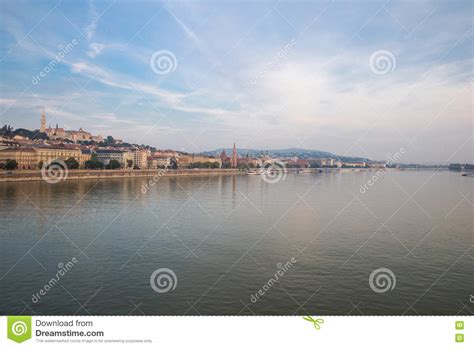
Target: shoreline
x=84 y=174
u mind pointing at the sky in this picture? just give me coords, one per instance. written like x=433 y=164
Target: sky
x=359 y=78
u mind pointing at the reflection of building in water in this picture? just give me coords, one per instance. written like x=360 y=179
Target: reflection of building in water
x=234 y=185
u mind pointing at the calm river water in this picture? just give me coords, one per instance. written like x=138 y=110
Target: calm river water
x=227 y=238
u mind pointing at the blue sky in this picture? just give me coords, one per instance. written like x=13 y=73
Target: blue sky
x=267 y=74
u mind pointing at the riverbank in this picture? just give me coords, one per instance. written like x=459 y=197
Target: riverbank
x=82 y=174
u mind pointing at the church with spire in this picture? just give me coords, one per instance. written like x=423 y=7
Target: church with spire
x=232 y=161
x=43 y=122
x=61 y=133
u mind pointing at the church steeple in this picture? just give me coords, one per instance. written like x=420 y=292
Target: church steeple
x=233 y=161
x=43 y=122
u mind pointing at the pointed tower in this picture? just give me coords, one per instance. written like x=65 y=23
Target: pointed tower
x=223 y=156
x=43 y=122
x=233 y=161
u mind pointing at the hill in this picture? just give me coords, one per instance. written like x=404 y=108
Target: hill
x=293 y=152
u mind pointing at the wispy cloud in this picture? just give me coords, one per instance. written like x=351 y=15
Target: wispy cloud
x=321 y=92
x=196 y=41
x=90 y=29
x=7 y=102
x=172 y=100
x=95 y=49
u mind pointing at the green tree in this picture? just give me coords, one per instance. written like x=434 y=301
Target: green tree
x=129 y=163
x=71 y=163
x=93 y=163
x=114 y=164
x=10 y=165
x=40 y=164
x=6 y=130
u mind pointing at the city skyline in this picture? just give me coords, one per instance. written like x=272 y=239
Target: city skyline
x=264 y=78
x=78 y=137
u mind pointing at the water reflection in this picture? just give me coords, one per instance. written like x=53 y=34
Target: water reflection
x=225 y=242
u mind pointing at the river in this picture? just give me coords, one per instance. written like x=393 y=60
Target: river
x=229 y=245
